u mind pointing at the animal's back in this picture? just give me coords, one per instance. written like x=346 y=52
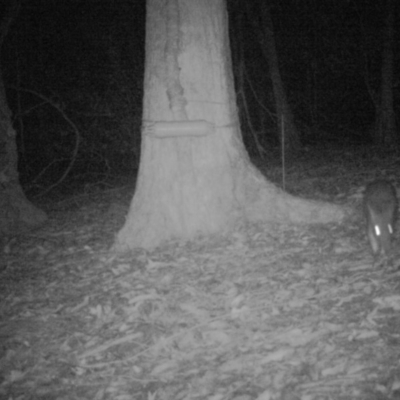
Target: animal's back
x=380 y=205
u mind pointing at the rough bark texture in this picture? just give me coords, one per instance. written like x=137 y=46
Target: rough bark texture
x=189 y=185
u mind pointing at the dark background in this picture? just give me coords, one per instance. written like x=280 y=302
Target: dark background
x=73 y=72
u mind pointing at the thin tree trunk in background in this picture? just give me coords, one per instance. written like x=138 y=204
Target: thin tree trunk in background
x=385 y=131
x=17 y=214
x=285 y=120
x=242 y=77
x=286 y=123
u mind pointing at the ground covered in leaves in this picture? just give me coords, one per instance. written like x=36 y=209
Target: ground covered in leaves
x=270 y=312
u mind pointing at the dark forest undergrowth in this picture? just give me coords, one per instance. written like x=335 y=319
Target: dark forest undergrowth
x=270 y=312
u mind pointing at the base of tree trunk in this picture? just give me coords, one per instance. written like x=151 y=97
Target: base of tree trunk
x=227 y=199
x=17 y=213
x=263 y=201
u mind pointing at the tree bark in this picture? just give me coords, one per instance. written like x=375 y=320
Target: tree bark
x=195 y=176
x=17 y=214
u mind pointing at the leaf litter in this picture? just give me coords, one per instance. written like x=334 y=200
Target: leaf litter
x=257 y=315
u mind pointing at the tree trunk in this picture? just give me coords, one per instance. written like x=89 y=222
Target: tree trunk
x=286 y=127
x=287 y=131
x=195 y=176
x=385 y=131
x=17 y=214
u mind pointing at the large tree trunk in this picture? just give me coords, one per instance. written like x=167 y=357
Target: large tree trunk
x=195 y=176
x=385 y=127
x=17 y=214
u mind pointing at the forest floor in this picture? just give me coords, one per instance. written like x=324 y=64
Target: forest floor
x=294 y=313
